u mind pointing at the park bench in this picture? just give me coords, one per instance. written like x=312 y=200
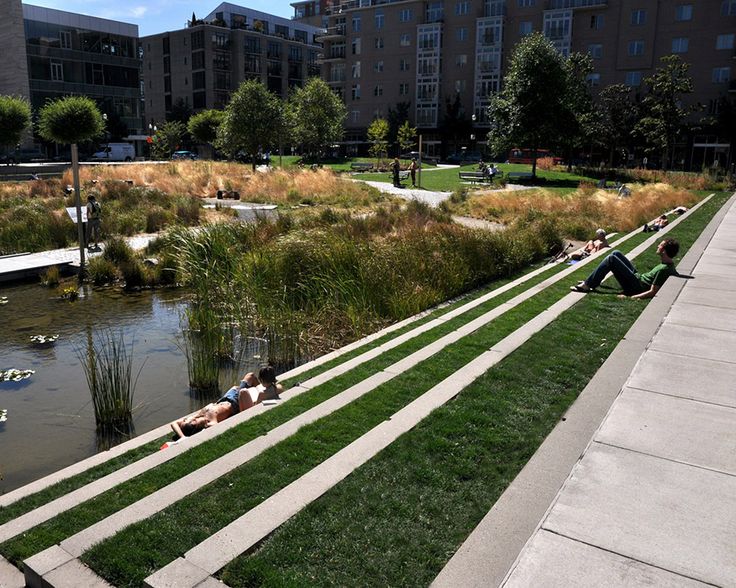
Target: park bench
x=361 y=166
x=478 y=176
x=519 y=175
x=403 y=175
x=234 y=194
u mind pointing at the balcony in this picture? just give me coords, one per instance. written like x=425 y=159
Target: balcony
x=558 y=4
x=332 y=33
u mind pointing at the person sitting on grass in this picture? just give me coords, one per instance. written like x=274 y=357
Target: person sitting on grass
x=635 y=285
x=592 y=246
x=235 y=400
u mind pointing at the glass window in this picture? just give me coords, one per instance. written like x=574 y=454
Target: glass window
x=65 y=38
x=405 y=15
x=252 y=45
x=462 y=33
x=638 y=17
x=379 y=43
x=597 y=21
x=378 y=66
x=636 y=48
x=461 y=60
x=379 y=19
x=680 y=45
x=198 y=60
x=721 y=75
x=633 y=79
x=462 y=7
x=725 y=41
x=356 y=69
x=405 y=40
x=356 y=23
x=356 y=47
x=404 y=65
x=594 y=79
x=525 y=28
x=355 y=92
x=526 y=3
x=728 y=8
x=403 y=89
x=274 y=50
x=435 y=11
x=197 y=40
x=378 y=90
x=595 y=50
x=57 y=71
x=460 y=86
x=684 y=12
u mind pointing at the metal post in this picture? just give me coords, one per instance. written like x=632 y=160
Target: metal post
x=78 y=204
x=419 y=181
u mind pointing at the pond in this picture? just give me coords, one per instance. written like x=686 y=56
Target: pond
x=50 y=420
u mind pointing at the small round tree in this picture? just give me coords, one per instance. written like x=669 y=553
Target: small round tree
x=203 y=126
x=15 y=118
x=69 y=121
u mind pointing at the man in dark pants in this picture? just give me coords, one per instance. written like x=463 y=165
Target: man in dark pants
x=395 y=167
x=635 y=285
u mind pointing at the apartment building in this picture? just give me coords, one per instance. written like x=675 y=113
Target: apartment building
x=201 y=65
x=54 y=53
x=427 y=52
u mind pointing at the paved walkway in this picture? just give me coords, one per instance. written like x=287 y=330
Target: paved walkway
x=652 y=498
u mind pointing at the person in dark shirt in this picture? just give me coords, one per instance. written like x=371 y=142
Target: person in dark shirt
x=634 y=284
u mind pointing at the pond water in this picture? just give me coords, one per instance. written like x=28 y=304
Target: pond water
x=50 y=419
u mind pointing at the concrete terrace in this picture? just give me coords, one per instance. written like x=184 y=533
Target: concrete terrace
x=635 y=484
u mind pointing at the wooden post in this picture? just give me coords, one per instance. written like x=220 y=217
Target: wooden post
x=78 y=203
x=419 y=180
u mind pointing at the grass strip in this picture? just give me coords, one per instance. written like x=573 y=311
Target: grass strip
x=129 y=556
x=399 y=518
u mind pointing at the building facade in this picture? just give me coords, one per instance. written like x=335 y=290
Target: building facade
x=56 y=53
x=198 y=67
x=378 y=54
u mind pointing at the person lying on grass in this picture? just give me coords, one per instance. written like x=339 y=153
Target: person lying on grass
x=635 y=285
x=236 y=399
x=592 y=246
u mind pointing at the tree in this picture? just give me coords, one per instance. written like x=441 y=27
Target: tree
x=72 y=120
x=15 y=118
x=203 y=126
x=617 y=117
x=580 y=118
x=454 y=125
x=407 y=135
x=528 y=111
x=662 y=111
x=168 y=138
x=318 y=115
x=378 y=138
x=180 y=111
x=396 y=118
x=252 y=120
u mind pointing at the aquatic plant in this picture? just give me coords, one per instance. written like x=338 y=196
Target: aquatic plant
x=101 y=271
x=70 y=293
x=51 y=276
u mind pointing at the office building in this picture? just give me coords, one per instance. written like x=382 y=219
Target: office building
x=55 y=53
x=428 y=52
x=198 y=67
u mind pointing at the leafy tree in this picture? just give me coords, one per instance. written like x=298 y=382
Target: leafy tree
x=168 y=138
x=15 y=118
x=529 y=111
x=580 y=118
x=407 y=135
x=180 y=111
x=378 y=138
x=317 y=115
x=455 y=127
x=252 y=120
x=72 y=120
x=203 y=126
x=662 y=110
x=396 y=118
x=617 y=117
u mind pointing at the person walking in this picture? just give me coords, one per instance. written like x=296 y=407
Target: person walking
x=395 y=167
x=413 y=172
x=94 y=213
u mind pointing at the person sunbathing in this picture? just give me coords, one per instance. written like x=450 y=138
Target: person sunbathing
x=251 y=391
x=658 y=224
x=592 y=246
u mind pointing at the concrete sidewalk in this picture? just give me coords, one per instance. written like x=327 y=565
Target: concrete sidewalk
x=652 y=498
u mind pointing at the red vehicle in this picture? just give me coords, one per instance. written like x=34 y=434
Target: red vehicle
x=517 y=155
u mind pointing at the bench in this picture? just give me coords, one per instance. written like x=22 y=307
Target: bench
x=361 y=166
x=403 y=175
x=234 y=194
x=478 y=176
x=519 y=175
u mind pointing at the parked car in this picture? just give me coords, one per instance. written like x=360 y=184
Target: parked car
x=464 y=157
x=115 y=152
x=23 y=155
x=184 y=155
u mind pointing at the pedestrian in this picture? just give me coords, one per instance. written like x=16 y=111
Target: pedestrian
x=395 y=167
x=413 y=171
x=94 y=212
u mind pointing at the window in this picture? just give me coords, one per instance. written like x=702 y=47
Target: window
x=725 y=41
x=221 y=60
x=252 y=45
x=219 y=41
x=167 y=64
x=281 y=31
x=378 y=66
x=405 y=15
x=198 y=60
x=295 y=53
x=460 y=86
x=379 y=43
x=356 y=70
x=199 y=99
x=274 y=50
x=728 y=8
x=197 y=40
x=356 y=23
x=461 y=60
x=404 y=65
x=633 y=79
x=638 y=17
x=636 y=48
x=680 y=44
x=166 y=45
x=57 y=71
x=300 y=35
x=462 y=33
x=405 y=40
x=595 y=50
x=684 y=12
x=525 y=28
x=597 y=21
x=594 y=79
x=354 y=116
x=462 y=7
x=378 y=90
x=355 y=92
x=379 y=19
x=252 y=64
x=65 y=39
x=403 y=89
x=355 y=46
x=721 y=75
x=526 y=3
x=185 y=60
x=435 y=11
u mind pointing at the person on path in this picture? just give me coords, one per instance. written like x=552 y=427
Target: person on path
x=413 y=171
x=94 y=212
x=635 y=285
x=395 y=167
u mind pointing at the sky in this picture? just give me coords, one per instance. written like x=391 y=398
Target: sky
x=157 y=16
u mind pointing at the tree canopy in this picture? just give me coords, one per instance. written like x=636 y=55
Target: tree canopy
x=203 y=126
x=168 y=138
x=253 y=120
x=15 y=118
x=70 y=120
x=378 y=137
x=317 y=115
x=407 y=136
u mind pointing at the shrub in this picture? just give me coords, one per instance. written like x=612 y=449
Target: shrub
x=156 y=219
x=546 y=163
x=51 y=277
x=117 y=250
x=187 y=211
x=101 y=271
x=134 y=274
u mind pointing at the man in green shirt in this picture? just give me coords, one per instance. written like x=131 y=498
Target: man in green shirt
x=635 y=285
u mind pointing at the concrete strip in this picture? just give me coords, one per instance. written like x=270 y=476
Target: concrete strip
x=10 y=576
x=179 y=573
x=707 y=317
x=671 y=515
x=712 y=281
x=678 y=429
x=682 y=376
x=717 y=299
x=37 y=566
x=696 y=342
x=554 y=561
x=74 y=575
x=242 y=534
